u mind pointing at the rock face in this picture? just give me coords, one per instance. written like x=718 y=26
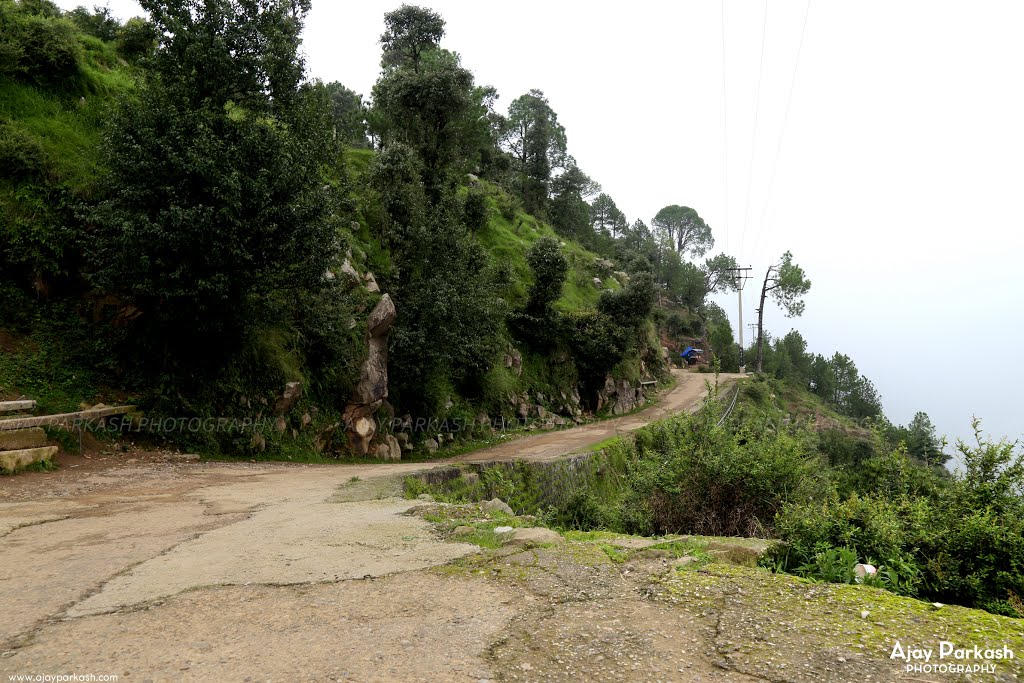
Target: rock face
x=369 y=394
x=514 y=361
x=619 y=397
x=286 y=401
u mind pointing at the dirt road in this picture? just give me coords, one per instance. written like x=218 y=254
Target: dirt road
x=689 y=391
x=223 y=571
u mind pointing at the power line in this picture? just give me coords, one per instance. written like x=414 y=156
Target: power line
x=782 y=131
x=753 y=134
x=725 y=139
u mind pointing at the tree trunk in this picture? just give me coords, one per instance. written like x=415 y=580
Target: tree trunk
x=760 y=320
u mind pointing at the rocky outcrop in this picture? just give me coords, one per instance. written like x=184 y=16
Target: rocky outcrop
x=369 y=394
x=514 y=361
x=619 y=397
x=288 y=398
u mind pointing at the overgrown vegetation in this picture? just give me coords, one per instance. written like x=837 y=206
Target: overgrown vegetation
x=953 y=539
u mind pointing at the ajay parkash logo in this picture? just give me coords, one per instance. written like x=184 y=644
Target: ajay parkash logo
x=951 y=658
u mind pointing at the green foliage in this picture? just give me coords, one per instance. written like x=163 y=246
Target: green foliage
x=229 y=52
x=136 y=39
x=960 y=542
x=409 y=33
x=199 y=239
x=99 y=23
x=568 y=208
x=549 y=267
x=605 y=216
x=39 y=47
x=537 y=144
x=686 y=231
x=476 y=210
x=424 y=109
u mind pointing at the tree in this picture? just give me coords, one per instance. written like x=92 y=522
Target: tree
x=409 y=33
x=136 y=39
x=349 y=113
x=549 y=267
x=222 y=51
x=787 y=284
x=568 y=208
x=100 y=22
x=214 y=204
x=686 y=230
x=537 y=144
x=723 y=345
x=606 y=218
x=923 y=442
x=426 y=109
x=718 y=274
x=638 y=238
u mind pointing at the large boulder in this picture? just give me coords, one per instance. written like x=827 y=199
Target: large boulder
x=394 y=448
x=286 y=401
x=381 y=317
x=531 y=536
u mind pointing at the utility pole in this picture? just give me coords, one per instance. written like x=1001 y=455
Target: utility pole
x=740 y=276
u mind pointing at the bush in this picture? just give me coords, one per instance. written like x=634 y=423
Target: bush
x=698 y=478
x=508 y=207
x=476 y=210
x=960 y=542
x=38 y=48
x=21 y=155
x=136 y=39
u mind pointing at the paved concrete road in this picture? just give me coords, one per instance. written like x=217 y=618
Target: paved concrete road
x=80 y=550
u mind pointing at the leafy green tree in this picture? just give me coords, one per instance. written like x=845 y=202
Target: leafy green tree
x=568 y=209
x=136 y=39
x=841 y=385
x=787 y=284
x=923 y=442
x=638 y=238
x=409 y=33
x=549 y=267
x=476 y=211
x=537 y=144
x=722 y=341
x=606 y=218
x=426 y=109
x=100 y=22
x=686 y=230
x=349 y=113
x=217 y=196
x=630 y=306
x=222 y=51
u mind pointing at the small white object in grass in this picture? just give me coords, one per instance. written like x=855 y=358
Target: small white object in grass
x=865 y=614
x=863 y=570
x=502 y=529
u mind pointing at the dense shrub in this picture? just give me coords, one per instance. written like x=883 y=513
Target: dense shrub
x=476 y=211
x=961 y=541
x=38 y=47
x=703 y=479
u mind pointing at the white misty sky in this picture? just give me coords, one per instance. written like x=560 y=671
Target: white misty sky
x=895 y=185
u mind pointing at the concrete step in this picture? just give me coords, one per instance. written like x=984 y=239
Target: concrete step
x=12 y=461
x=16 y=406
x=18 y=439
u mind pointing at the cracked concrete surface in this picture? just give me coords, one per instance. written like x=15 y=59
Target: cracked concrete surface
x=239 y=571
